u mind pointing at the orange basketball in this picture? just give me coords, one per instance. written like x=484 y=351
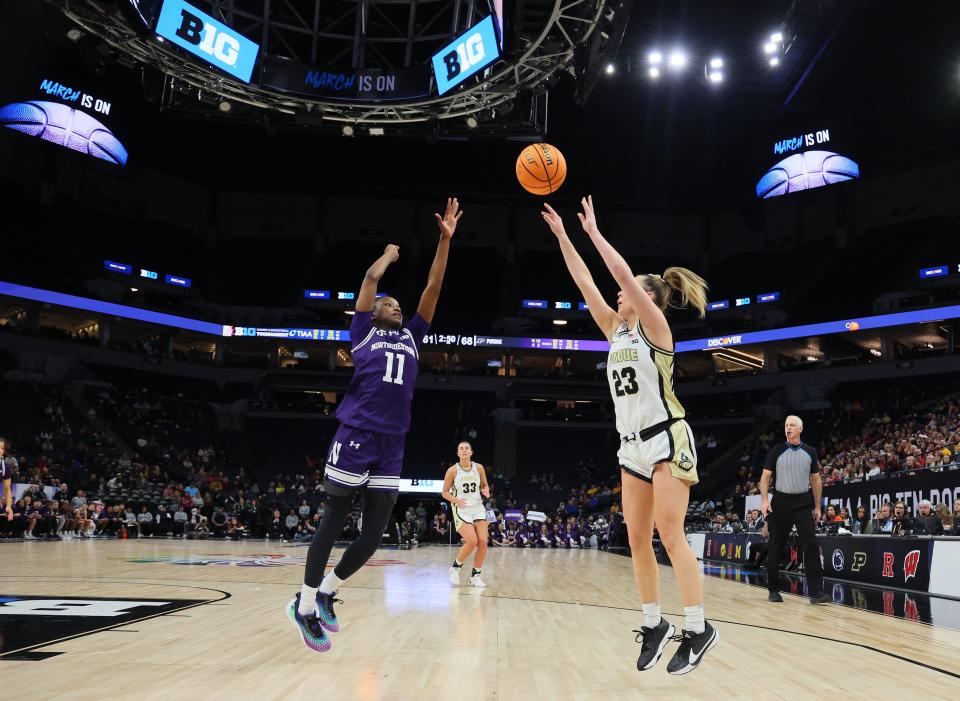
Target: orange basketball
x=541 y=169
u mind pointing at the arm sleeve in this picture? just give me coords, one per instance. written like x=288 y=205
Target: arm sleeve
x=814 y=463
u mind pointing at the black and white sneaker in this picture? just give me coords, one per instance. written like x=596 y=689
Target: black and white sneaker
x=652 y=641
x=693 y=646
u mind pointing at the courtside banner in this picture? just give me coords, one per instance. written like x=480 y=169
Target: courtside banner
x=936 y=486
x=885 y=561
x=729 y=547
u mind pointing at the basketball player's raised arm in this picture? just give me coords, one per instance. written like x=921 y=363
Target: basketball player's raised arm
x=604 y=316
x=448 y=225
x=368 y=289
x=651 y=318
x=447 y=492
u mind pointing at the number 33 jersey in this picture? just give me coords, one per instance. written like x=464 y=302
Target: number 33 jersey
x=641 y=381
x=385 y=364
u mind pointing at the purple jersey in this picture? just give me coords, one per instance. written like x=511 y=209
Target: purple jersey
x=385 y=364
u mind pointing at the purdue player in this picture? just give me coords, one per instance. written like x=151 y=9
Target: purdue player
x=463 y=486
x=657 y=456
x=367 y=449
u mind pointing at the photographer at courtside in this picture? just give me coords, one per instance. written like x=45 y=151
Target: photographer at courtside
x=796 y=473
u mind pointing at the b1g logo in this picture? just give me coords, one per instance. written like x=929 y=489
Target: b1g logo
x=469 y=53
x=203 y=36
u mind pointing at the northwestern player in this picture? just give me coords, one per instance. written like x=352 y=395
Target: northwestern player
x=367 y=450
x=657 y=456
x=463 y=486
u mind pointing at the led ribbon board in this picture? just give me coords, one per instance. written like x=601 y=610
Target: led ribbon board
x=208 y=39
x=466 y=55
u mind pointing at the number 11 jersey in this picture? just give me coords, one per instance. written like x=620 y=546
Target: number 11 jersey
x=385 y=365
x=641 y=381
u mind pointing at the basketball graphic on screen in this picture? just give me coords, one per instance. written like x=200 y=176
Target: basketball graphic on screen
x=805 y=171
x=65 y=126
x=541 y=169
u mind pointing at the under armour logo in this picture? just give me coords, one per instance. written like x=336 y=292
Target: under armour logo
x=354 y=445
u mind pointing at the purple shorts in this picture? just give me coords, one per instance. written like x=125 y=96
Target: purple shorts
x=360 y=458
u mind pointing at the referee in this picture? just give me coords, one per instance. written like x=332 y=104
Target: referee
x=795 y=469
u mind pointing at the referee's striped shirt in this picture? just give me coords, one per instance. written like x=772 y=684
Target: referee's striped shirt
x=792 y=466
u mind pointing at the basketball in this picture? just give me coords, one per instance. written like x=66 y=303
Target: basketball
x=541 y=169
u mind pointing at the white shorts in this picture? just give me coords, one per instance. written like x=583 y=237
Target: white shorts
x=468 y=514
x=674 y=445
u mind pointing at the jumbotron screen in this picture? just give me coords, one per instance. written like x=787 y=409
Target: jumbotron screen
x=805 y=158
x=63 y=107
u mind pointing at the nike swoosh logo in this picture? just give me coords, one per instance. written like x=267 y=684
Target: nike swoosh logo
x=696 y=658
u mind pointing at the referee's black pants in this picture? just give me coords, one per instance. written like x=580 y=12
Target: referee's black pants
x=790 y=510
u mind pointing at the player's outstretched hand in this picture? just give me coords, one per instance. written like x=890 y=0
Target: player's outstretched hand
x=448 y=222
x=588 y=219
x=553 y=221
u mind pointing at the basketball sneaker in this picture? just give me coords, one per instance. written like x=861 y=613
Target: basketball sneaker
x=311 y=632
x=328 y=619
x=693 y=646
x=475 y=581
x=454 y=573
x=652 y=641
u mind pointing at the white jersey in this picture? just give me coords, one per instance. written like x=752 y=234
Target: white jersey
x=641 y=381
x=466 y=485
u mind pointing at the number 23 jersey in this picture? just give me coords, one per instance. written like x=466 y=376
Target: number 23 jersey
x=641 y=381
x=385 y=365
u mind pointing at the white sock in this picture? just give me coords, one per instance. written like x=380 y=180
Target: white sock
x=651 y=614
x=693 y=619
x=330 y=583
x=308 y=600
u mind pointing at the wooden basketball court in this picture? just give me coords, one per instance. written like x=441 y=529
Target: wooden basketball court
x=552 y=624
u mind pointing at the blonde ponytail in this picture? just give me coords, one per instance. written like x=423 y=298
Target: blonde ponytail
x=691 y=287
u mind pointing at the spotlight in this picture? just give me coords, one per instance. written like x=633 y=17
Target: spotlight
x=74 y=34
x=716 y=77
x=654 y=72
x=769 y=48
x=160 y=39
x=472 y=122
x=225 y=106
x=610 y=69
x=776 y=37
x=655 y=58
x=349 y=312
x=678 y=60
x=559 y=322
x=716 y=62
x=134 y=289
x=774 y=62
x=347 y=130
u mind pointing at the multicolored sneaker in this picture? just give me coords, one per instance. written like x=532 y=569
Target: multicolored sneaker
x=312 y=633
x=328 y=619
x=693 y=646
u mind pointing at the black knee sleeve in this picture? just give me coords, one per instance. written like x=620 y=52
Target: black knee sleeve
x=377 y=507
